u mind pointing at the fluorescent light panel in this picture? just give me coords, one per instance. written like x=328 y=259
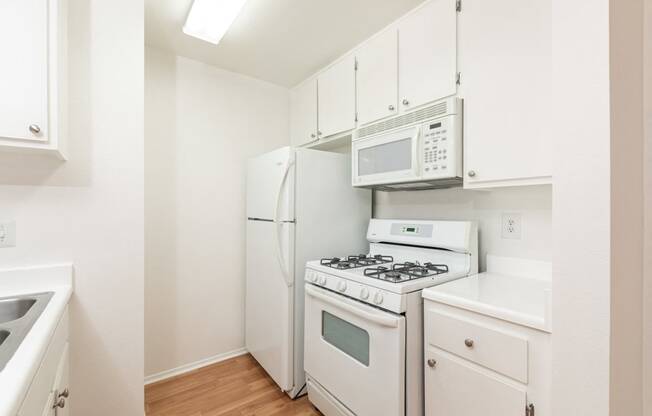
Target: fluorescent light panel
x=210 y=19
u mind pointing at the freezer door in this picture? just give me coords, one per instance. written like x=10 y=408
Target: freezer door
x=270 y=185
x=269 y=298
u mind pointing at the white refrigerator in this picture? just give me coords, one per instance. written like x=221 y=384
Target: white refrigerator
x=300 y=206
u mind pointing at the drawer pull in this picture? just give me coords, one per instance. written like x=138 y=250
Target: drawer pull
x=61 y=403
x=469 y=342
x=432 y=363
x=65 y=393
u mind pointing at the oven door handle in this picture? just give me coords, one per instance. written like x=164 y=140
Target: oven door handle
x=379 y=318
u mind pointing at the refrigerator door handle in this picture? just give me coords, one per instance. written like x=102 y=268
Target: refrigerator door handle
x=279 y=225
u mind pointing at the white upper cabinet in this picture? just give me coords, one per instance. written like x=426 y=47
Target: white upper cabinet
x=24 y=72
x=377 y=81
x=32 y=46
x=336 y=98
x=427 y=50
x=303 y=113
x=505 y=61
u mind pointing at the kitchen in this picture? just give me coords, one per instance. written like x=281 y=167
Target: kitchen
x=291 y=219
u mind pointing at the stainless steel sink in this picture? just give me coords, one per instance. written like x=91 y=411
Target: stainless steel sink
x=17 y=316
x=14 y=308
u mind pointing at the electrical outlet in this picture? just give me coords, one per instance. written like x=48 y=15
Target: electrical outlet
x=511 y=226
x=8 y=234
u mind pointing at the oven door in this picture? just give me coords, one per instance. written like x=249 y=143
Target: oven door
x=386 y=158
x=355 y=352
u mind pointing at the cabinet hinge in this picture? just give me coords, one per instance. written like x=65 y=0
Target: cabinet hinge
x=458 y=78
x=458 y=5
x=529 y=410
x=355 y=64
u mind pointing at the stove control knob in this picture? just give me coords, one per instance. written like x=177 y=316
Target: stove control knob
x=341 y=286
x=364 y=293
x=378 y=298
x=322 y=280
x=312 y=277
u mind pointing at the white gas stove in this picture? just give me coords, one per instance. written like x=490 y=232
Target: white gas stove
x=363 y=315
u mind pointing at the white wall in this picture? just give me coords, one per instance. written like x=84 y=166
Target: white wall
x=487 y=207
x=202 y=124
x=581 y=208
x=89 y=210
x=647 y=299
x=627 y=206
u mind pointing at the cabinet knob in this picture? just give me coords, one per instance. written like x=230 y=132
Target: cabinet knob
x=61 y=403
x=405 y=101
x=65 y=393
x=391 y=107
x=312 y=135
x=432 y=363
x=471 y=173
x=318 y=133
x=468 y=342
x=34 y=128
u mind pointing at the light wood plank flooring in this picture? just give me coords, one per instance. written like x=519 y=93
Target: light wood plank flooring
x=236 y=387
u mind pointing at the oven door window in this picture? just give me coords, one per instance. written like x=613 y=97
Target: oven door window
x=384 y=158
x=346 y=337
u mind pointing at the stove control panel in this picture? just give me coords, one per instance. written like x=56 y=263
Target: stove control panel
x=393 y=302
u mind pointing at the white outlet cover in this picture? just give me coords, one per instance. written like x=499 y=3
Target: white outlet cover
x=8 y=234
x=511 y=226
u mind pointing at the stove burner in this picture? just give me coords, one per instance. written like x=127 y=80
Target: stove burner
x=352 y=262
x=403 y=272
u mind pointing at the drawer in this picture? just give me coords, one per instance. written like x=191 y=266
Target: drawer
x=498 y=350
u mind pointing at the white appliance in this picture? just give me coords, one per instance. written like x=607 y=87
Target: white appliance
x=419 y=150
x=300 y=204
x=364 y=316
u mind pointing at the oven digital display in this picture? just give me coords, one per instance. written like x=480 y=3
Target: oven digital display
x=410 y=230
x=435 y=126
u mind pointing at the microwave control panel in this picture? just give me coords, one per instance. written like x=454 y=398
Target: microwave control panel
x=440 y=148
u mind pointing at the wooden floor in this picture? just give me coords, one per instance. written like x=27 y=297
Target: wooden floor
x=236 y=387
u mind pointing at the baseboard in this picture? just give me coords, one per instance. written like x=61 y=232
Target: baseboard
x=193 y=366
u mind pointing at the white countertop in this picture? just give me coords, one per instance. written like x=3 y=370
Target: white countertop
x=522 y=298
x=17 y=375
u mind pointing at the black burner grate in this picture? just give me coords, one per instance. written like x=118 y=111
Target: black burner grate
x=353 y=262
x=405 y=272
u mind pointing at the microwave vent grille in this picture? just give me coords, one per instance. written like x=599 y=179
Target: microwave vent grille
x=438 y=109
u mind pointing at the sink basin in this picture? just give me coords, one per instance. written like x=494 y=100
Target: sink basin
x=14 y=308
x=17 y=316
x=3 y=336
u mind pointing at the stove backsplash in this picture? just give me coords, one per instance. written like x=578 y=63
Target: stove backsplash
x=532 y=203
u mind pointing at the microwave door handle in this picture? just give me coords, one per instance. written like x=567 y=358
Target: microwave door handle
x=376 y=318
x=279 y=227
x=415 y=151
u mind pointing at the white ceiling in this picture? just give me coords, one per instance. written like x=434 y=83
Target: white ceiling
x=280 y=41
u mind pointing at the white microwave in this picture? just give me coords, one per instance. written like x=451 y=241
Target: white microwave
x=418 y=150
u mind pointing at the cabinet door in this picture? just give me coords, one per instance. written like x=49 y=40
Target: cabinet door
x=61 y=383
x=24 y=69
x=377 y=82
x=455 y=387
x=506 y=66
x=303 y=113
x=427 y=50
x=48 y=410
x=337 y=98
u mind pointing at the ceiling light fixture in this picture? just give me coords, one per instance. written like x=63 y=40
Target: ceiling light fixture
x=210 y=19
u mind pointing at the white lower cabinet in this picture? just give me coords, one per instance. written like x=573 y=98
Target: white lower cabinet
x=479 y=365
x=454 y=387
x=48 y=394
